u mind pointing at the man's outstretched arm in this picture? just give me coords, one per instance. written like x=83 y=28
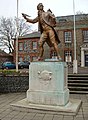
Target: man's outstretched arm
x=30 y=20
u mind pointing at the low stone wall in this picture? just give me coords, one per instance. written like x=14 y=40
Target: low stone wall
x=14 y=83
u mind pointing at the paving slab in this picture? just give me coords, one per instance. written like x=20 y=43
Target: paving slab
x=14 y=97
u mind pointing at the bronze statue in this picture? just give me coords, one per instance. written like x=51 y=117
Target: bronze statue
x=47 y=22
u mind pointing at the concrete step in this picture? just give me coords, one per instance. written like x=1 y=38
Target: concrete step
x=77 y=75
x=78 y=92
x=77 y=81
x=77 y=88
x=78 y=84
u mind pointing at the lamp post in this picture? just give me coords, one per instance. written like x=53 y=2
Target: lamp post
x=17 y=40
x=75 y=69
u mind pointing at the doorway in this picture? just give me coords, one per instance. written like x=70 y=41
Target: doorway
x=86 y=60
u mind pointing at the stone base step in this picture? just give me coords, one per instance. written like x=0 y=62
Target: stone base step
x=71 y=108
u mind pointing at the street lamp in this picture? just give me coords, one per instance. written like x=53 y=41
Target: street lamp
x=17 y=40
x=75 y=69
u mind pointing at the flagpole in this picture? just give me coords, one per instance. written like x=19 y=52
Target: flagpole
x=17 y=40
x=75 y=70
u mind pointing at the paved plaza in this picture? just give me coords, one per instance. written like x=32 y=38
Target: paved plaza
x=7 y=114
x=81 y=70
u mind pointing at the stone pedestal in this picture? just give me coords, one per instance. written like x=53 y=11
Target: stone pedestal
x=48 y=91
x=48 y=83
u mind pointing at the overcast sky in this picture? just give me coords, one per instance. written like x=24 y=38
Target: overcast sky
x=8 y=8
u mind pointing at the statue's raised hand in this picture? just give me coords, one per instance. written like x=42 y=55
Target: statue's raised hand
x=24 y=15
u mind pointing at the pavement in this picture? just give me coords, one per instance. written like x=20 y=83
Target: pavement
x=7 y=114
x=80 y=70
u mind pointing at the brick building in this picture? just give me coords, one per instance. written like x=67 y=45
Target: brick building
x=65 y=29
x=27 y=47
x=28 y=44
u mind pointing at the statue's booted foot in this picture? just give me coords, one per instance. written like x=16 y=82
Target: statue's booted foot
x=60 y=59
x=40 y=59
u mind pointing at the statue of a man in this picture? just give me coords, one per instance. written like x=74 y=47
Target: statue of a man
x=47 y=22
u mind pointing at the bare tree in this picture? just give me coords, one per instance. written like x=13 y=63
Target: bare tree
x=8 y=32
x=23 y=27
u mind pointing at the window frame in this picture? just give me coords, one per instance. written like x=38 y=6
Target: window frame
x=34 y=46
x=85 y=37
x=68 y=37
x=20 y=47
x=68 y=52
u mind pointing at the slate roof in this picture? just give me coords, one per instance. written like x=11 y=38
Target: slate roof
x=31 y=35
x=71 y=17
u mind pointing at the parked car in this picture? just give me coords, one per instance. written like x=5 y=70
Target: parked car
x=23 y=64
x=8 y=65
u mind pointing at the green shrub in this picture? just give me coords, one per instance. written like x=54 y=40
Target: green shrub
x=12 y=72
